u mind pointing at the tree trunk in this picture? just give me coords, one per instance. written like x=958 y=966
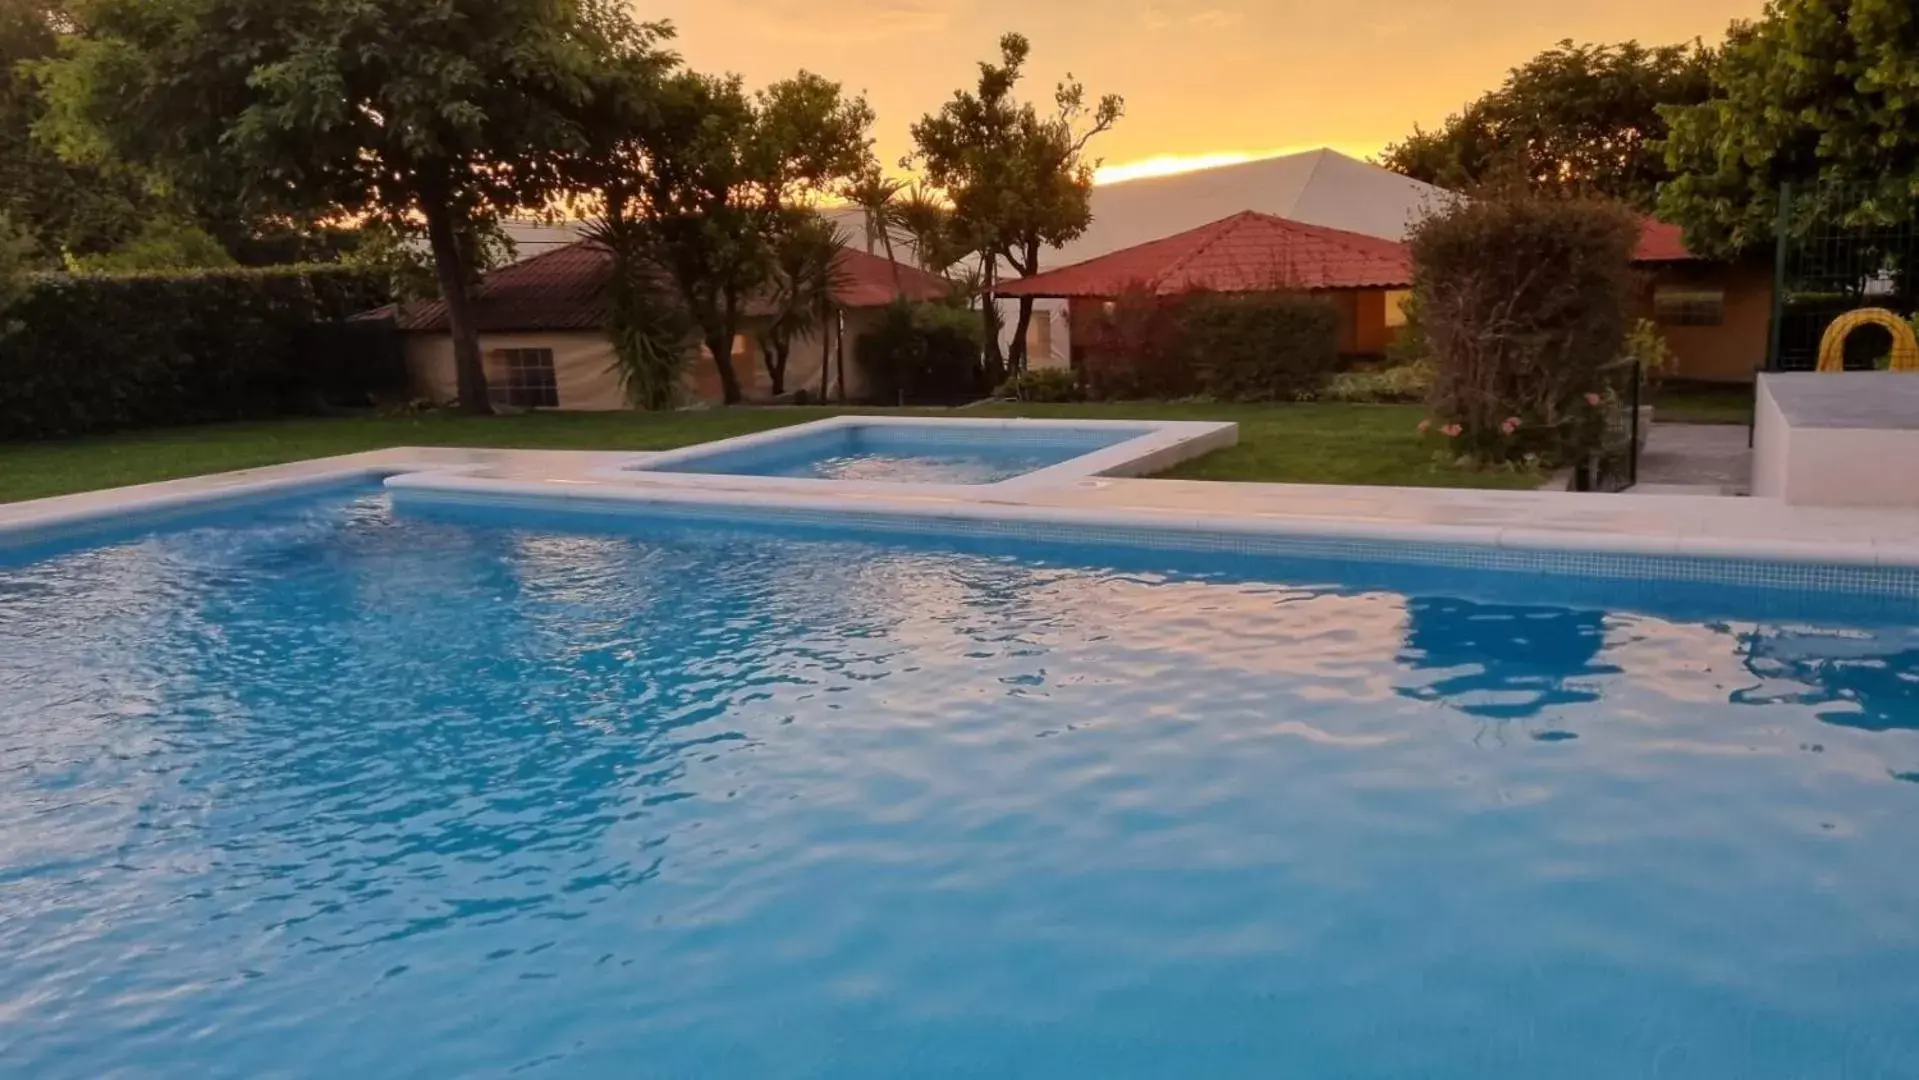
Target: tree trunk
x=839 y=338
x=1018 y=359
x=826 y=355
x=774 y=360
x=989 y=312
x=721 y=346
x=449 y=266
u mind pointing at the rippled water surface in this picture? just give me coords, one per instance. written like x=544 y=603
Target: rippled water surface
x=318 y=790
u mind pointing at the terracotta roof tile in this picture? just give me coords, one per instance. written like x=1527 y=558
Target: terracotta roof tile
x=1661 y=242
x=1248 y=252
x=562 y=290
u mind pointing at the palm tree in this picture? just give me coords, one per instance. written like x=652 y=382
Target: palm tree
x=877 y=196
x=923 y=215
x=807 y=278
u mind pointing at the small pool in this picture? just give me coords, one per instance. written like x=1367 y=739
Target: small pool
x=903 y=452
x=325 y=788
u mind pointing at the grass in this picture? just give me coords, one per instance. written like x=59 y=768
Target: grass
x=1334 y=444
x=1703 y=403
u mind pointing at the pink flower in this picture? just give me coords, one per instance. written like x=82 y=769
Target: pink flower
x=1451 y=431
x=1509 y=425
x=1425 y=426
x=1592 y=399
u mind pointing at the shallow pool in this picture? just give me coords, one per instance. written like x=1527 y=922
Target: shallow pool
x=907 y=453
x=319 y=790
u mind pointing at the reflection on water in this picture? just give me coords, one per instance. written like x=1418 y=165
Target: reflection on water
x=342 y=792
x=1503 y=662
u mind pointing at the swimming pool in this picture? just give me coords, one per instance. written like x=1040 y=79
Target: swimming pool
x=317 y=788
x=905 y=452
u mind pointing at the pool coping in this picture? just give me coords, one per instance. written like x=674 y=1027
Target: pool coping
x=1562 y=523
x=1160 y=445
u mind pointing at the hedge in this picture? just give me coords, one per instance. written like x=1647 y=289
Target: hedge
x=1232 y=346
x=922 y=354
x=99 y=352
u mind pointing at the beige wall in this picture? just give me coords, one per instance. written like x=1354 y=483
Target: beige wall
x=1733 y=350
x=582 y=366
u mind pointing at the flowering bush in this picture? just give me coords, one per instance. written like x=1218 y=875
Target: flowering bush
x=1524 y=301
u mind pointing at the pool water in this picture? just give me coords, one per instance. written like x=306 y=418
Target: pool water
x=901 y=453
x=320 y=790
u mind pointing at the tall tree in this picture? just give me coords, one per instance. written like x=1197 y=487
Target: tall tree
x=448 y=112
x=1579 y=117
x=877 y=196
x=927 y=219
x=807 y=277
x=1019 y=180
x=1820 y=93
x=704 y=184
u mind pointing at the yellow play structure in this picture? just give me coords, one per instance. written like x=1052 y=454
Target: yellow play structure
x=1905 y=345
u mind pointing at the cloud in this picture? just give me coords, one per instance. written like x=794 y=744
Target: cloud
x=1154 y=17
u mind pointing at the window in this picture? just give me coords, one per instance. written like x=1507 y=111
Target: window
x=1688 y=306
x=1396 y=300
x=523 y=379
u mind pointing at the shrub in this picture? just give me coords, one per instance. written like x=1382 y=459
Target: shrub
x=1239 y=346
x=1524 y=302
x=94 y=353
x=1137 y=350
x=1041 y=385
x=922 y=352
x=1261 y=346
x=1647 y=347
x=1400 y=384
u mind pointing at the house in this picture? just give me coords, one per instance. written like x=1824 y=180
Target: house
x=541 y=324
x=1715 y=316
x=1364 y=277
x=1319 y=187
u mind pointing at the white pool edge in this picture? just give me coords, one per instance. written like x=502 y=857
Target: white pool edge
x=607 y=479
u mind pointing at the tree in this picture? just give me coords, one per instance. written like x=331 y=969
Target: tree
x=445 y=112
x=927 y=219
x=1018 y=181
x=16 y=248
x=877 y=196
x=1818 y=93
x=705 y=181
x=1580 y=117
x=807 y=277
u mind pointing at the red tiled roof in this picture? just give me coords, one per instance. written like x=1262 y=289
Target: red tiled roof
x=1248 y=252
x=1661 y=242
x=562 y=290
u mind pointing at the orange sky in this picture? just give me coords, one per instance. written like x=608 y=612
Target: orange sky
x=1208 y=77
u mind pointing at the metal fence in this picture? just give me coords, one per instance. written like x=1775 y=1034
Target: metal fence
x=1839 y=249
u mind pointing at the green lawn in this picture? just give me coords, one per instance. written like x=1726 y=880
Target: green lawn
x=1703 y=403
x=1336 y=444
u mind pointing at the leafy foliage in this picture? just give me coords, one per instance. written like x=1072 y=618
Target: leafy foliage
x=1261 y=346
x=1819 y=93
x=94 y=353
x=1525 y=303
x=1018 y=181
x=1041 y=385
x=1398 y=384
x=921 y=353
x=1581 y=117
x=703 y=181
x=807 y=275
x=446 y=111
x=1235 y=346
x=16 y=248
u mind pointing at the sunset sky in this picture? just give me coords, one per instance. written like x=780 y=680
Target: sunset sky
x=1211 y=79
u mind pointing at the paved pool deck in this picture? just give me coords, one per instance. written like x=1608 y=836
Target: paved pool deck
x=1717 y=526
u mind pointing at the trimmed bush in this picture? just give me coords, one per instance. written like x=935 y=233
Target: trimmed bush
x=1044 y=385
x=1400 y=384
x=1262 y=346
x=922 y=353
x=1525 y=301
x=100 y=352
x=1235 y=346
x=1137 y=350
